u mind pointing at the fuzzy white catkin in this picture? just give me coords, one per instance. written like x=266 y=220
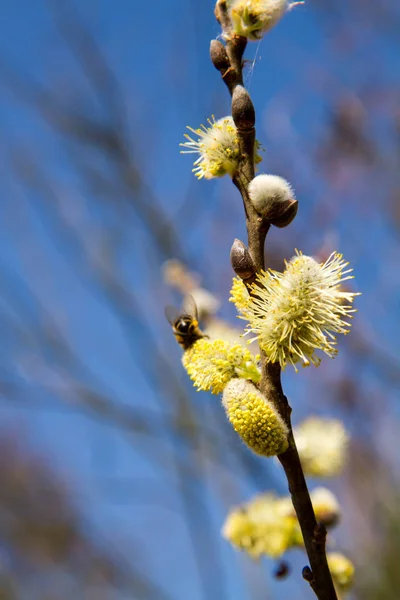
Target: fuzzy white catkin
x=266 y=191
x=297 y=312
x=253 y=18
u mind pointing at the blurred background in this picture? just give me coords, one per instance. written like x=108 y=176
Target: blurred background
x=115 y=476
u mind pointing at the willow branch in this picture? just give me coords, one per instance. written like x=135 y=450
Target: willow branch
x=228 y=60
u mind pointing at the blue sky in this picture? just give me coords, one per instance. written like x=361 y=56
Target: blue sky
x=159 y=53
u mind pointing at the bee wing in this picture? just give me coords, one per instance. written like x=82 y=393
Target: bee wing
x=189 y=307
x=172 y=313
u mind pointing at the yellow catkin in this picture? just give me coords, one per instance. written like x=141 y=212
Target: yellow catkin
x=218 y=148
x=254 y=418
x=253 y=18
x=239 y=295
x=342 y=571
x=267 y=526
x=262 y=527
x=211 y=364
x=322 y=444
x=298 y=311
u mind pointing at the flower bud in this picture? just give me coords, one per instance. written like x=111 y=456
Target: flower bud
x=326 y=506
x=241 y=261
x=243 y=113
x=219 y=56
x=282 y=570
x=342 y=571
x=273 y=198
x=254 y=418
x=307 y=574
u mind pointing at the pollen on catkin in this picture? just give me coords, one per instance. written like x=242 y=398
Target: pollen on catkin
x=211 y=364
x=254 y=418
x=342 y=571
x=267 y=525
x=322 y=445
x=261 y=528
x=239 y=295
x=298 y=311
x=217 y=147
x=253 y=18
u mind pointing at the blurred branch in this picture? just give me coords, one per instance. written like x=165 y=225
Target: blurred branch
x=110 y=285
x=43 y=531
x=83 y=128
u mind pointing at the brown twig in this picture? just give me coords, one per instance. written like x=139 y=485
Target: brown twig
x=230 y=64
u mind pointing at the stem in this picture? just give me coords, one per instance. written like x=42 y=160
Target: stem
x=314 y=534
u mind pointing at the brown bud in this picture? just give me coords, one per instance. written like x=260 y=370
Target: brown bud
x=307 y=574
x=241 y=261
x=288 y=211
x=243 y=112
x=282 y=570
x=219 y=56
x=329 y=518
x=326 y=508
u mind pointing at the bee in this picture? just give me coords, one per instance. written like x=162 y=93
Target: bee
x=185 y=323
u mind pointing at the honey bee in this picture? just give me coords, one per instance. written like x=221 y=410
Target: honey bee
x=185 y=323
